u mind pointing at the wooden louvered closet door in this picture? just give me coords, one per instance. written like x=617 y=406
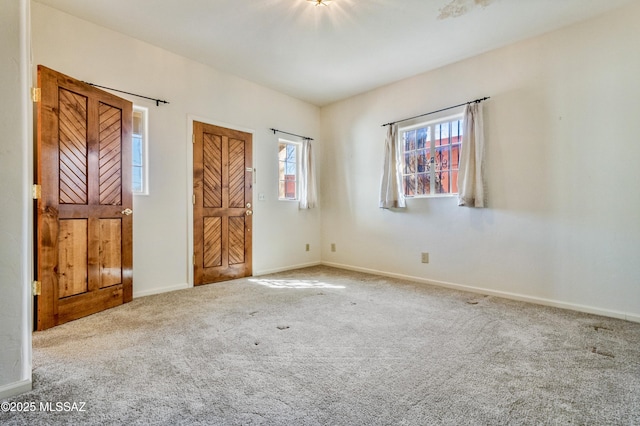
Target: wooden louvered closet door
x=84 y=222
x=222 y=188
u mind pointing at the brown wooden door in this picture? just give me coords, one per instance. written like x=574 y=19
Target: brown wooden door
x=84 y=222
x=222 y=188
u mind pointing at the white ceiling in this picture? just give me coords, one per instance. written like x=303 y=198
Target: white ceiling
x=324 y=54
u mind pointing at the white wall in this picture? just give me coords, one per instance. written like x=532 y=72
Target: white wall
x=15 y=172
x=563 y=226
x=162 y=219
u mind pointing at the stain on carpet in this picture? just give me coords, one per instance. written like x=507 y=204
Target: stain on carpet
x=601 y=352
x=476 y=300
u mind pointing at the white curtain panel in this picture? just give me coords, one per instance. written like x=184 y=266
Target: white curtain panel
x=471 y=187
x=308 y=194
x=391 y=193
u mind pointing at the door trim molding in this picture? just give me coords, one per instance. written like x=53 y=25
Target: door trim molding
x=190 y=119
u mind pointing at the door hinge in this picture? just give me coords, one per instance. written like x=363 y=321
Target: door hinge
x=194 y=260
x=36 y=191
x=193 y=199
x=193 y=138
x=36 y=94
x=36 y=288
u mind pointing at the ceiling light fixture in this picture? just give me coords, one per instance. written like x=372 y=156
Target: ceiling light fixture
x=320 y=2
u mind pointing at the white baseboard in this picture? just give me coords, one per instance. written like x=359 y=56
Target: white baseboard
x=159 y=290
x=13 y=389
x=633 y=318
x=506 y=295
x=285 y=268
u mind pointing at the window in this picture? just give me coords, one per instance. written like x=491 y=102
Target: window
x=431 y=157
x=139 y=151
x=288 y=170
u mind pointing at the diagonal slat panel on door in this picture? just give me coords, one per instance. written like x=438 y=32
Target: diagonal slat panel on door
x=236 y=240
x=110 y=168
x=212 y=241
x=72 y=147
x=212 y=155
x=236 y=173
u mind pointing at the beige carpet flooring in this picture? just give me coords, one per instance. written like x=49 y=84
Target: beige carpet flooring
x=322 y=346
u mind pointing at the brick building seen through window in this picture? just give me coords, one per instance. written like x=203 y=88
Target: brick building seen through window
x=431 y=157
x=288 y=170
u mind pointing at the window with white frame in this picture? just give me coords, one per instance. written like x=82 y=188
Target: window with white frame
x=431 y=157
x=139 y=151
x=288 y=171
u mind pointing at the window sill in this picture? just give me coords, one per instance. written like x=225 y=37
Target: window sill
x=426 y=197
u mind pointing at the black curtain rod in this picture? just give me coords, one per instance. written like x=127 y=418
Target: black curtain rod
x=157 y=101
x=292 y=134
x=433 y=112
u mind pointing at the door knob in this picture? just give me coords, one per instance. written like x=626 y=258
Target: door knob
x=126 y=212
x=248 y=212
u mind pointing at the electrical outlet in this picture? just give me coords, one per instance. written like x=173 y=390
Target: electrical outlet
x=306 y=248
x=333 y=246
x=425 y=257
